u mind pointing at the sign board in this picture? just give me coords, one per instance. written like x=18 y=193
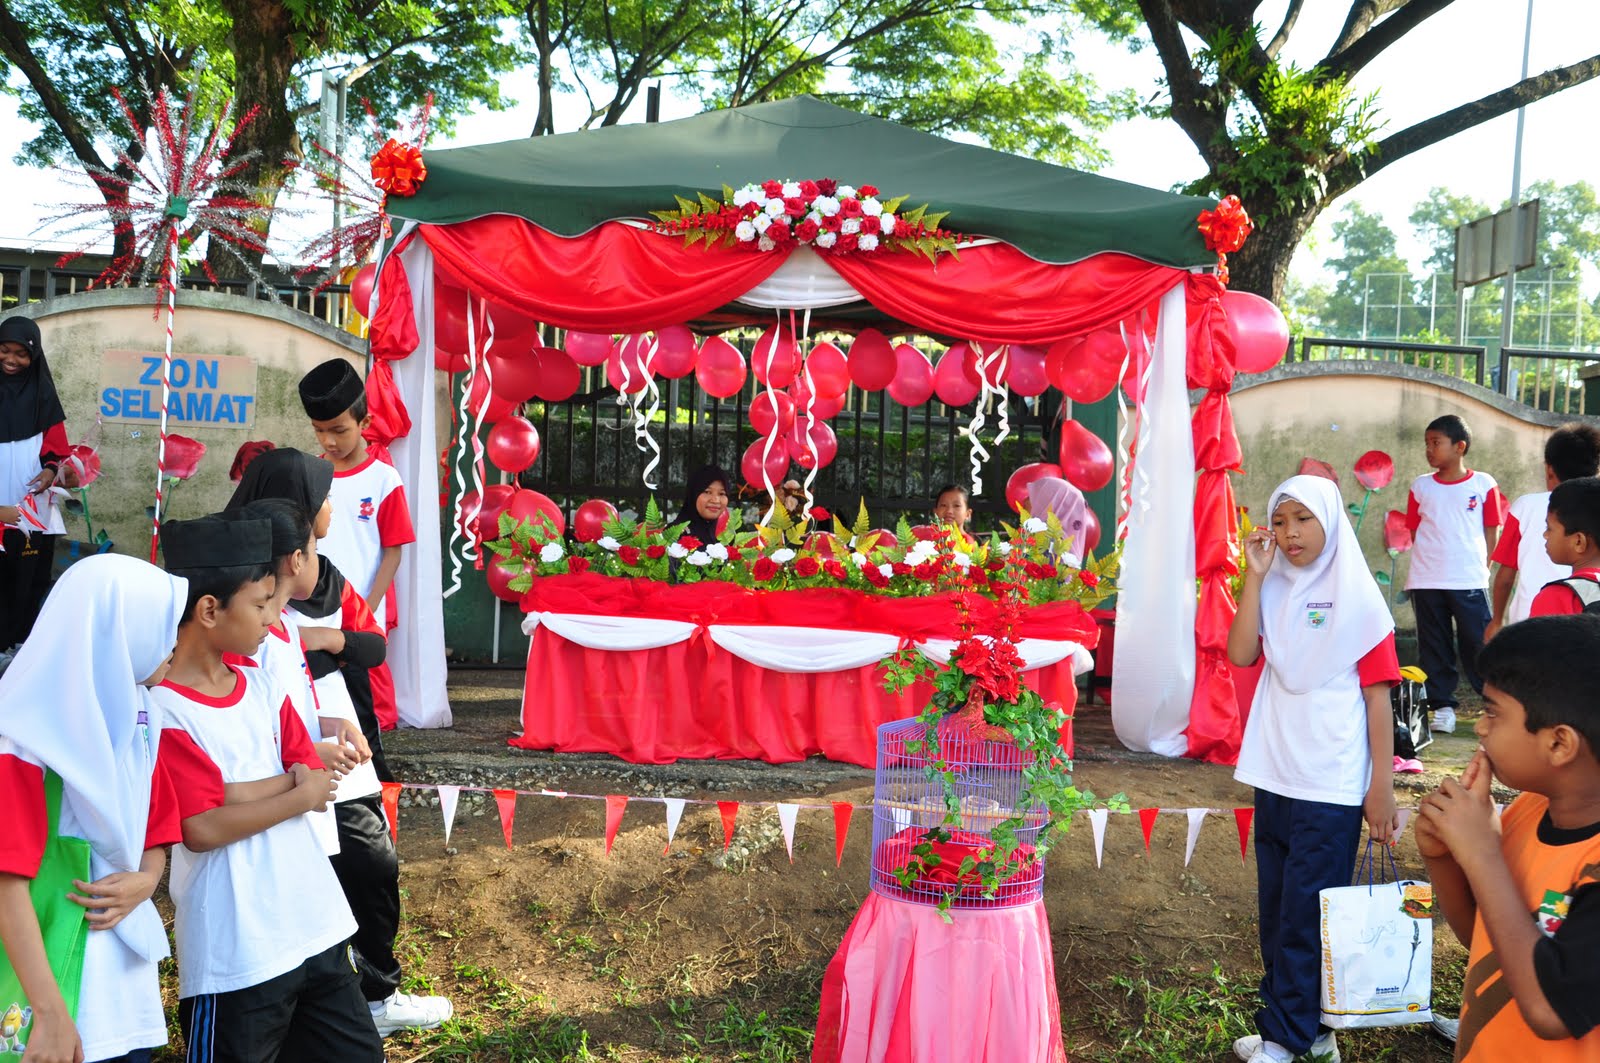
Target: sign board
x=1483 y=247
x=216 y=390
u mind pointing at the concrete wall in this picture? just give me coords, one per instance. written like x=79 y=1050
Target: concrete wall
x=283 y=343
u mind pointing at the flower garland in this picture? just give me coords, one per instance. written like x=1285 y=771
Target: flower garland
x=829 y=217
x=1225 y=230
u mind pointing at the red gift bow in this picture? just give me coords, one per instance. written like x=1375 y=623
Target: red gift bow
x=398 y=168
x=1226 y=227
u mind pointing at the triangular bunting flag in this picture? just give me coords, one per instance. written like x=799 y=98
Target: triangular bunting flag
x=786 y=816
x=1097 y=824
x=1197 y=819
x=1242 y=817
x=901 y=817
x=391 y=809
x=729 y=811
x=615 y=803
x=552 y=793
x=448 y=795
x=841 y=829
x=1147 y=823
x=1403 y=818
x=506 y=800
x=674 y=814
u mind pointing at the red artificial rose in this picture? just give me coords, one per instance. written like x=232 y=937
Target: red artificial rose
x=1089 y=579
x=655 y=551
x=778 y=232
x=764 y=569
x=773 y=189
x=924 y=571
x=874 y=577
x=794 y=206
x=806 y=567
x=850 y=208
x=818 y=513
x=900 y=568
x=734 y=554
x=806 y=231
x=750 y=209
x=1048 y=570
x=629 y=555
x=689 y=542
x=847 y=242
x=827 y=186
x=867 y=190
x=181 y=456
x=1030 y=569
x=995 y=565
x=836 y=570
x=871 y=225
x=808 y=189
x=577 y=565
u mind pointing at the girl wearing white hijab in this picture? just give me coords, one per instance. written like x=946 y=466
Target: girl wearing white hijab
x=1318 y=746
x=71 y=705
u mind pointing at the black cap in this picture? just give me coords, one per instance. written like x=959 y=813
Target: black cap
x=330 y=389
x=216 y=542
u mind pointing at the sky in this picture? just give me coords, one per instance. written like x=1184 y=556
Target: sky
x=1471 y=49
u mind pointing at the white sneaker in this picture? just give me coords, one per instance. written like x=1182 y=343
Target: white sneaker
x=403 y=1011
x=1443 y=720
x=1252 y=1049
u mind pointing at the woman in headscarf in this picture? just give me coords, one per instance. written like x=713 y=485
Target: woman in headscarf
x=705 y=502
x=33 y=442
x=1053 y=495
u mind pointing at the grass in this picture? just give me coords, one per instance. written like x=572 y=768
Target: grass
x=1179 y=1017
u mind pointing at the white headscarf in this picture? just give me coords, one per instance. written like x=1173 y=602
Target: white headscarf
x=1318 y=621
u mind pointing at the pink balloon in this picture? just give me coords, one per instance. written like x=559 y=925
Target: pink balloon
x=480 y=397
x=872 y=360
x=950 y=380
x=558 y=374
x=913 y=378
x=1086 y=461
x=830 y=373
x=589 y=348
x=527 y=505
x=818 y=447
x=1260 y=334
x=720 y=370
x=675 y=352
x=1105 y=347
x=1017 y=485
x=361 y=289
x=589 y=521
x=771 y=412
x=631 y=352
x=1025 y=373
x=513 y=444
x=775 y=357
x=777 y=463
x=822 y=409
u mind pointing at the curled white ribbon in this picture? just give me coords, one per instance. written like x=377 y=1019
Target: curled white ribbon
x=811 y=417
x=460 y=544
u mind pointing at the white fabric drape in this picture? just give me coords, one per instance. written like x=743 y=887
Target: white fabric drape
x=1152 y=679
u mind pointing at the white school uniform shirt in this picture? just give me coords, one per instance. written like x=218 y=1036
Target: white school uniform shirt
x=263 y=905
x=282 y=657
x=369 y=513
x=1451 y=552
x=333 y=699
x=1521 y=546
x=19 y=464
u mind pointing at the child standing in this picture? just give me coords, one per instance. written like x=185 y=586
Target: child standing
x=1572 y=450
x=371 y=520
x=1521 y=889
x=950 y=506
x=1319 y=746
x=74 y=723
x=1455 y=514
x=1572 y=539
x=33 y=443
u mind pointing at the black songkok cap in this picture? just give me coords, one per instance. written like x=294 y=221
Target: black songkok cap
x=216 y=542
x=330 y=389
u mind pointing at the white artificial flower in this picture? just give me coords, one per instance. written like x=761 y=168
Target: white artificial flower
x=886 y=224
x=859 y=560
x=925 y=547
x=871 y=207
x=717 y=551
x=745 y=231
x=814 y=215
x=550 y=553
x=886 y=570
x=845 y=191
x=747 y=194
x=678 y=550
x=1002 y=548
x=867 y=242
x=774 y=208
x=826 y=239
x=791 y=189
x=826 y=204
x=699 y=557
x=766 y=243
x=850 y=226
x=961 y=559
x=1034 y=525
x=783 y=556
x=608 y=543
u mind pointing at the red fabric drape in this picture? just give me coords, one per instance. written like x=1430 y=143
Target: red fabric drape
x=392 y=336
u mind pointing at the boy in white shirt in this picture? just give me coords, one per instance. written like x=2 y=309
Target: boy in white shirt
x=1455 y=514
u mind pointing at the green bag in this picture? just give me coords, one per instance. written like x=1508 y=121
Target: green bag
x=62 y=923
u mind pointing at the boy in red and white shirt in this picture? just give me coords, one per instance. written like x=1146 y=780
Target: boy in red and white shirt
x=371 y=518
x=1572 y=537
x=1455 y=515
x=1573 y=450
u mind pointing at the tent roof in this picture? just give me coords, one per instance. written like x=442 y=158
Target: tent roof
x=572 y=182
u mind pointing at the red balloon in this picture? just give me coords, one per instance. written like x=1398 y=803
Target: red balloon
x=1091 y=533
x=1260 y=334
x=1086 y=461
x=361 y=289
x=558 y=374
x=721 y=370
x=822 y=409
x=877 y=538
x=830 y=373
x=634 y=354
x=496 y=498
x=465 y=522
x=526 y=506
x=509 y=326
x=775 y=357
x=450 y=317
x=499 y=573
x=872 y=360
x=1058 y=357
x=1025 y=373
x=588 y=348
x=990 y=361
x=446 y=362
x=827 y=546
x=817 y=447
x=1105 y=347
x=772 y=412
x=913 y=378
x=950 y=380
x=479 y=397
x=926 y=532
x=513 y=444
x=676 y=352
x=777 y=463
x=1017 y=485
x=589 y=521
x=1081 y=377
x=513 y=372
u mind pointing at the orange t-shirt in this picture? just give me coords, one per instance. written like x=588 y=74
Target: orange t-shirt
x=1549 y=875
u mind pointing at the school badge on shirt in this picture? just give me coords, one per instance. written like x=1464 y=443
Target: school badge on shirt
x=1317 y=613
x=367 y=510
x=1552 y=912
x=1472 y=503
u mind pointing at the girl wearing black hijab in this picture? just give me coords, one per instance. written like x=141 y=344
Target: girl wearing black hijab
x=705 y=502
x=33 y=442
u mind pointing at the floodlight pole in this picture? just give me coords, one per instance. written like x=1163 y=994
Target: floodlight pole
x=1509 y=306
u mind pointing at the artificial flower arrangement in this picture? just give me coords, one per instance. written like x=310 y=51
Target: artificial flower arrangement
x=790 y=554
x=830 y=217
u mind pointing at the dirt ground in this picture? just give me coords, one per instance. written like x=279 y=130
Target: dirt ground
x=555 y=950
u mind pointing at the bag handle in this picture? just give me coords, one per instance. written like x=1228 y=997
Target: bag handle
x=1374 y=868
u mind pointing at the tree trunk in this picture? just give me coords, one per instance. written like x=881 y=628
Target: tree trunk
x=544 y=123
x=1262 y=265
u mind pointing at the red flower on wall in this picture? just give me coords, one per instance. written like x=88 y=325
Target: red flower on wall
x=1374 y=470
x=1396 y=534
x=182 y=456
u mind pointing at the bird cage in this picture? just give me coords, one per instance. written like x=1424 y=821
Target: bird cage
x=910 y=798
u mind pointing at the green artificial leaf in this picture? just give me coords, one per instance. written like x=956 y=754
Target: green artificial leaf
x=863 y=522
x=1382 y=578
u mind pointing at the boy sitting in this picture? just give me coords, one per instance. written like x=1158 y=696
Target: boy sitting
x=1572 y=538
x=1522 y=890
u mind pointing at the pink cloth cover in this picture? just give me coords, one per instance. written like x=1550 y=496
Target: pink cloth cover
x=907 y=987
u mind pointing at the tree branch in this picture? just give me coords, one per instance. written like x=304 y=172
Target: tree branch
x=15 y=47
x=1192 y=106
x=1279 y=39
x=1361 y=41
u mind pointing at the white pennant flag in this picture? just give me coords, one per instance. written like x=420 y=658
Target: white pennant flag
x=447 y=808
x=1404 y=817
x=786 y=815
x=902 y=818
x=674 y=814
x=1097 y=823
x=1197 y=819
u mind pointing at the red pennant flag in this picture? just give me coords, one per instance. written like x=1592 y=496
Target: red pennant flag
x=1147 y=823
x=615 y=803
x=1242 y=817
x=507 y=801
x=841 y=829
x=391 y=809
x=730 y=812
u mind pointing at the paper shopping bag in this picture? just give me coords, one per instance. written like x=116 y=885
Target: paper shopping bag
x=1377 y=954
